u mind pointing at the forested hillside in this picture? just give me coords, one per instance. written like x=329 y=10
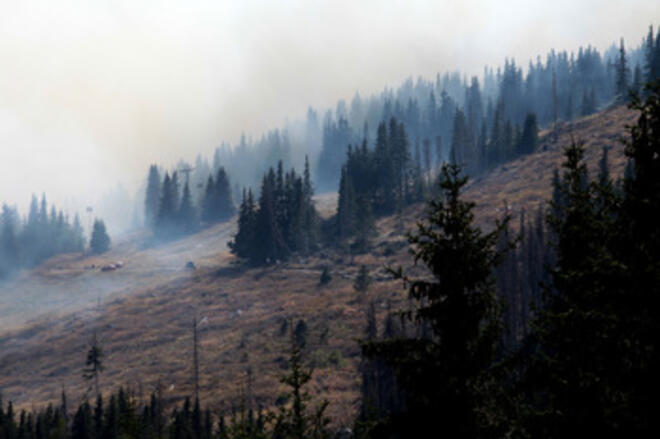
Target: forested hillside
x=480 y=123
x=246 y=309
x=487 y=268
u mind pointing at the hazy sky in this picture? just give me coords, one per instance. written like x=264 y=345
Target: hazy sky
x=91 y=92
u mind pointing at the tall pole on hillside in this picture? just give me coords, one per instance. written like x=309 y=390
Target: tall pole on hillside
x=187 y=170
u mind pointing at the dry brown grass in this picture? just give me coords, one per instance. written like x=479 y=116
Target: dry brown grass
x=526 y=182
x=145 y=329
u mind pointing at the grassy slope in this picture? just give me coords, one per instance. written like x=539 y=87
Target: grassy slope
x=147 y=334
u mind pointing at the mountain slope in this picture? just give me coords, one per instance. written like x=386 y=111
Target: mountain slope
x=145 y=321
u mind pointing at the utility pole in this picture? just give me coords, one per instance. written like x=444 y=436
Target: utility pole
x=187 y=170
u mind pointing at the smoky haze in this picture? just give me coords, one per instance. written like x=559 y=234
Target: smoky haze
x=91 y=93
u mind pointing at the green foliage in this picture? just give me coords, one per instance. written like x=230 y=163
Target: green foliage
x=300 y=334
x=152 y=196
x=588 y=365
x=295 y=421
x=94 y=364
x=100 y=241
x=283 y=223
x=575 y=366
x=456 y=316
x=187 y=216
x=27 y=243
x=218 y=204
x=362 y=281
x=529 y=138
x=622 y=74
x=326 y=277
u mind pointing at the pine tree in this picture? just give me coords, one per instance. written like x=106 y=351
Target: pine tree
x=438 y=372
x=386 y=178
x=295 y=422
x=622 y=74
x=364 y=226
x=555 y=106
x=273 y=247
x=573 y=372
x=174 y=193
x=588 y=102
x=310 y=215
x=224 y=204
x=426 y=147
x=636 y=86
x=152 y=196
x=244 y=242
x=94 y=364
x=165 y=221
x=652 y=57
x=459 y=154
x=482 y=148
x=569 y=107
x=438 y=151
x=283 y=223
x=187 y=217
x=346 y=207
x=81 y=427
x=529 y=138
x=9 y=250
x=325 y=277
x=100 y=241
x=604 y=179
x=638 y=249
x=208 y=203
x=362 y=281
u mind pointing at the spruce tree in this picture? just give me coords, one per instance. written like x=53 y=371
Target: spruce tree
x=346 y=207
x=224 y=204
x=272 y=247
x=94 y=364
x=652 y=57
x=244 y=244
x=362 y=282
x=9 y=250
x=167 y=210
x=638 y=248
x=622 y=74
x=100 y=241
x=386 y=179
x=636 y=86
x=364 y=226
x=529 y=138
x=81 y=427
x=152 y=196
x=295 y=421
x=574 y=370
x=438 y=372
x=208 y=203
x=187 y=216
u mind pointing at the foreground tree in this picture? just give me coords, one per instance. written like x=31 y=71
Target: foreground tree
x=456 y=320
x=573 y=370
x=638 y=247
x=589 y=366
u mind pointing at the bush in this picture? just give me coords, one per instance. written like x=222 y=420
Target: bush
x=325 y=276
